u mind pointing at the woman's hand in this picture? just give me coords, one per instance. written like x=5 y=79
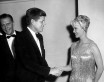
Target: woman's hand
x=65 y=68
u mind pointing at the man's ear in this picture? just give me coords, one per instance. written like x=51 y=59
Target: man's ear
x=32 y=21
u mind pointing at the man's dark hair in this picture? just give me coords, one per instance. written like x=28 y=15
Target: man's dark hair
x=34 y=13
x=2 y=16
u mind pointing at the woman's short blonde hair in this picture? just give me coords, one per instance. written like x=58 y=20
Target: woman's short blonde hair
x=83 y=20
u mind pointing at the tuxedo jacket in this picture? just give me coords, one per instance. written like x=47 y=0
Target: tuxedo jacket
x=7 y=61
x=31 y=66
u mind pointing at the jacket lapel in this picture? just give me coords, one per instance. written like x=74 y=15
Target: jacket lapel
x=31 y=40
x=6 y=46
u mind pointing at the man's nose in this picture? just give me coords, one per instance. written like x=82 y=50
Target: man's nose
x=6 y=26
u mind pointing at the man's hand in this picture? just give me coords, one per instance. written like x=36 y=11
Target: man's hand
x=56 y=71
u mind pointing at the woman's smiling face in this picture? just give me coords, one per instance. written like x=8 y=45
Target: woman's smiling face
x=77 y=29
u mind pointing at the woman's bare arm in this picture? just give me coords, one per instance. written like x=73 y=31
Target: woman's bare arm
x=99 y=62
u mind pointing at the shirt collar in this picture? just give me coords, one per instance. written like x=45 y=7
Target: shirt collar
x=31 y=31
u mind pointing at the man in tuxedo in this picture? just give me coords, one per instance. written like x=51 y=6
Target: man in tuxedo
x=30 y=52
x=7 y=55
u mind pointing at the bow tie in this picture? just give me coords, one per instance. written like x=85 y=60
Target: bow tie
x=11 y=36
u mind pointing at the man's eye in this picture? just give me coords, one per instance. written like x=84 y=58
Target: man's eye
x=8 y=23
x=42 y=21
x=75 y=28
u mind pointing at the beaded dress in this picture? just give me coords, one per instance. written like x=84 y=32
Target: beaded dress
x=83 y=63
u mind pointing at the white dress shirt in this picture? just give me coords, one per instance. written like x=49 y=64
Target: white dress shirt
x=35 y=38
x=10 y=43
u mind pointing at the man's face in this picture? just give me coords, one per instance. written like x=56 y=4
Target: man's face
x=7 y=25
x=39 y=24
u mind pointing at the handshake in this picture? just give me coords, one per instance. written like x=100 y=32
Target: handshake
x=57 y=71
